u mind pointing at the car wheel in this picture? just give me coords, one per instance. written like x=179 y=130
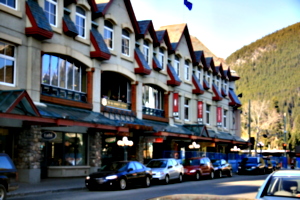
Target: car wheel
x=147 y=182
x=219 y=174
x=212 y=175
x=2 y=192
x=180 y=178
x=167 y=179
x=198 y=176
x=122 y=184
x=229 y=173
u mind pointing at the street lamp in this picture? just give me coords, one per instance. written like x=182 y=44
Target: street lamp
x=235 y=149
x=260 y=145
x=194 y=145
x=125 y=143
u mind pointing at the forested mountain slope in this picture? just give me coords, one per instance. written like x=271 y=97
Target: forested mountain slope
x=270 y=70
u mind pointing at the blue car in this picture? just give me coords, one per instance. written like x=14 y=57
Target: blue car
x=118 y=175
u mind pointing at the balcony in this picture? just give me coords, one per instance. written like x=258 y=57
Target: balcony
x=63 y=93
x=153 y=112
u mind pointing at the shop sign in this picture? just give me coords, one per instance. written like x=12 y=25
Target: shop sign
x=48 y=135
x=159 y=140
x=110 y=140
x=219 y=116
x=175 y=105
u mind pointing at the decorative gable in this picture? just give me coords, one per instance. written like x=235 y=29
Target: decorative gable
x=143 y=67
x=40 y=27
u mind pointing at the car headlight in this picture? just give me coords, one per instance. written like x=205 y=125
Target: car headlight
x=253 y=167
x=215 y=168
x=239 y=167
x=111 y=177
x=87 y=178
x=192 y=171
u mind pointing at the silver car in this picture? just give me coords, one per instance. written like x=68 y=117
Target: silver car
x=166 y=169
x=282 y=184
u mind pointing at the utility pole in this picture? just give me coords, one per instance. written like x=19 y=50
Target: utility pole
x=249 y=126
x=284 y=131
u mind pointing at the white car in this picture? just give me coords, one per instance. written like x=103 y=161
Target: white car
x=166 y=169
x=282 y=184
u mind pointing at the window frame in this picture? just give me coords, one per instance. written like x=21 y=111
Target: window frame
x=6 y=4
x=13 y=60
x=146 y=50
x=124 y=47
x=186 y=71
x=110 y=30
x=177 y=65
x=48 y=12
x=186 y=109
x=161 y=57
x=81 y=28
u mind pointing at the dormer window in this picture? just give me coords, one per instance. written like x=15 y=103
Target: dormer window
x=50 y=9
x=108 y=34
x=9 y=3
x=161 y=57
x=176 y=65
x=146 y=51
x=186 y=71
x=208 y=78
x=80 y=21
x=125 y=42
x=198 y=73
x=217 y=81
x=225 y=85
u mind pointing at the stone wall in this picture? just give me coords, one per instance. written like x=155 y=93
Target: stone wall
x=95 y=146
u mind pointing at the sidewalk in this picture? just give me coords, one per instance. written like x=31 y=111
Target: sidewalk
x=49 y=185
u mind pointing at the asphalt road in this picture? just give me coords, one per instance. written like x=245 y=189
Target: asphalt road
x=244 y=186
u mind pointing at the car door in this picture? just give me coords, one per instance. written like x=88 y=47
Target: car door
x=204 y=167
x=132 y=175
x=141 y=173
x=171 y=169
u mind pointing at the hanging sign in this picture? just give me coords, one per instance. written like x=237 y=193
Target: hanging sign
x=175 y=105
x=48 y=135
x=219 y=116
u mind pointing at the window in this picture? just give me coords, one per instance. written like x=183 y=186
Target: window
x=125 y=42
x=176 y=65
x=207 y=111
x=146 y=51
x=62 y=73
x=224 y=119
x=225 y=85
x=80 y=21
x=108 y=34
x=186 y=71
x=50 y=9
x=198 y=73
x=152 y=97
x=208 y=78
x=217 y=81
x=7 y=63
x=67 y=149
x=186 y=109
x=9 y=3
x=161 y=57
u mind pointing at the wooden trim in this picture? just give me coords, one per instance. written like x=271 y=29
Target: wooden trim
x=166 y=105
x=90 y=87
x=155 y=118
x=66 y=102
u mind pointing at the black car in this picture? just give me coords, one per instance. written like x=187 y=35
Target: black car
x=252 y=165
x=222 y=167
x=269 y=166
x=119 y=174
x=8 y=175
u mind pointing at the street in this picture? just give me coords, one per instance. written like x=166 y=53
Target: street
x=237 y=186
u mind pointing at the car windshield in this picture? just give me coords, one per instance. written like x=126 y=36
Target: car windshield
x=249 y=160
x=191 y=162
x=216 y=162
x=283 y=186
x=115 y=166
x=5 y=163
x=157 y=164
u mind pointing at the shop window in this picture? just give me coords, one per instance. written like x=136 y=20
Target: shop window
x=108 y=34
x=50 y=9
x=9 y=3
x=67 y=149
x=207 y=111
x=63 y=77
x=80 y=21
x=153 y=101
x=125 y=42
x=7 y=63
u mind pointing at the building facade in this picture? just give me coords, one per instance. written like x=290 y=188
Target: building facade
x=77 y=76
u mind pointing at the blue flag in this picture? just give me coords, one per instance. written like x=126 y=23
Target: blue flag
x=188 y=4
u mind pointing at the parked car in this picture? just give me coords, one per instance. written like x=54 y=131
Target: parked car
x=269 y=166
x=198 y=167
x=276 y=165
x=252 y=165
x=8 y=176
x=281 y=184
x=119 y=174
x=166 y=169
x=222 y=167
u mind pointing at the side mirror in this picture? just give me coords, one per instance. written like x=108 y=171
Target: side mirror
x=130 y=169
x=169 y=167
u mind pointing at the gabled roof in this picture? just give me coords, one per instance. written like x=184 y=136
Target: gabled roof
x=231 y=74
x=176 y=32
x=146 y=26
x=40 y=27
x=222 y=72
x=200 y=58
x=163 y=36
x=209 y=63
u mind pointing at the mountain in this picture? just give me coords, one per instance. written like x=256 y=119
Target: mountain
x=270 y=70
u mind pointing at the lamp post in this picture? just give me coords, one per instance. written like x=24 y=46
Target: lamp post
x=260 y=145
x=125 y=143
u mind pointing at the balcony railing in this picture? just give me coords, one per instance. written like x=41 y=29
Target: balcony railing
x=63 y=93
x=153 y=112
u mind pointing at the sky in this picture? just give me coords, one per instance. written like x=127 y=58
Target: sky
x=223 y=26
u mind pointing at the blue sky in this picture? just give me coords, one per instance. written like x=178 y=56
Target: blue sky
x=223 y=26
